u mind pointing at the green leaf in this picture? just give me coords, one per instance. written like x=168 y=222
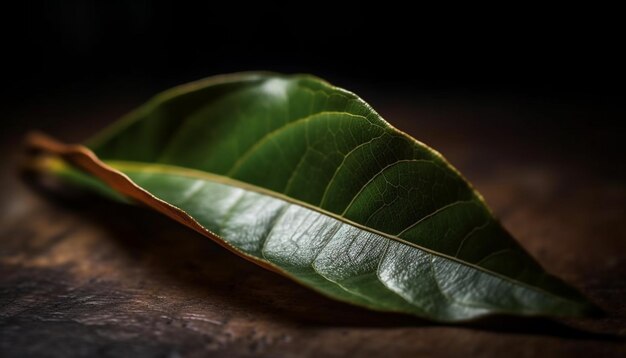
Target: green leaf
x=308 y=180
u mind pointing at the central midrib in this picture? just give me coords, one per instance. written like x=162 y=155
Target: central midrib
x=130 y=166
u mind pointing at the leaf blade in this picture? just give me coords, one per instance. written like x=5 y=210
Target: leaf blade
x=405 y=202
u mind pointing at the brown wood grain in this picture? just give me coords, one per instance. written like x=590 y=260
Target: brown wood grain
x=81 y=276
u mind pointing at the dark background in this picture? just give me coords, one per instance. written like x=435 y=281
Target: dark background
x=561 y=53
x=556 y=70
x=550 y=76
x=553 y=76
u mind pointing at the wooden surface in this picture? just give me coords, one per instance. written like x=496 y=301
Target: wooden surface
x=80 y=276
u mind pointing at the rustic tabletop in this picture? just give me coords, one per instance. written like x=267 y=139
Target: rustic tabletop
x=81 y=276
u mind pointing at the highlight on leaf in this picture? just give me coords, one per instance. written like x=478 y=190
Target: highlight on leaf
x=307 y=180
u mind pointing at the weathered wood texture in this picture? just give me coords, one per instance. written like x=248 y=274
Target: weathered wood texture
x=80 y=276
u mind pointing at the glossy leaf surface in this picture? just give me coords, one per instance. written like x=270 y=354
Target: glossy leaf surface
x=307 y=180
